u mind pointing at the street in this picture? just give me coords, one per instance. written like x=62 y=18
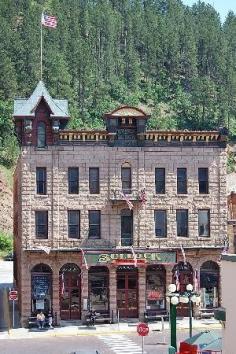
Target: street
x=89 y=344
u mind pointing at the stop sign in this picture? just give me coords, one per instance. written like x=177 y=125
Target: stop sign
x=142 y=329
x=13 y=295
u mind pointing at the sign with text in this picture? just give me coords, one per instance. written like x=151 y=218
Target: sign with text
x=13 y=295
x=142 y=329
x=149 y=257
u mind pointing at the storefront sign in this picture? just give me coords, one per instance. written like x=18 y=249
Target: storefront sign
x=149 y=257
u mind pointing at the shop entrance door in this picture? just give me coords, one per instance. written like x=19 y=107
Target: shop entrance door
x=127 y=292
x=70 y=294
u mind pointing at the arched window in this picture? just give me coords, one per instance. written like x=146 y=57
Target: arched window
x=41 y=288
x=41 y=134
x=70 y=291
x=209 y=283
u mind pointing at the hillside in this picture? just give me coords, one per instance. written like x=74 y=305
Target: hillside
x=6 y=202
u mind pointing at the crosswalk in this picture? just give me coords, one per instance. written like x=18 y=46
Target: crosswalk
x=120 y=344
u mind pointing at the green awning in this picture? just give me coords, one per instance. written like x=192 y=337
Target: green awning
x=220 y=314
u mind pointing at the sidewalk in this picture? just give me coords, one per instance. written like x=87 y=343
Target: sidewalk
x=123 y=327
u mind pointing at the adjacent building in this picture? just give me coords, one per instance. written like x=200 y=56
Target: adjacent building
x=108 y=218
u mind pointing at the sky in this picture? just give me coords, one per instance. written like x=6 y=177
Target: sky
x=222 y=6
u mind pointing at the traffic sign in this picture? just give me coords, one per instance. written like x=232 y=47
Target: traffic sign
x=142 y=329
x=13 y=295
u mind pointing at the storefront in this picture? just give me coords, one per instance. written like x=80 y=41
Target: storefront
x=155 y=289
x=41 y=289
x=127 y=291
x=98 y=289
x=209 y=283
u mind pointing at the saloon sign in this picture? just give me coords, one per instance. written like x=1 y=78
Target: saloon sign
x=153 y=257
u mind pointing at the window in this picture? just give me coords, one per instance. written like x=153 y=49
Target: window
x=160 y=223
x=73 y=180
x=94 y=224
x=73 y=223
x=41 y=224
x=98 y=284
x=182 y=222
x=203 y=180
x=181 y=180
x=41 y=135
x=160 y=180
x=94 y=180
x=126 y=180
x=126 y=227
x=41 y=180
x=204 y=223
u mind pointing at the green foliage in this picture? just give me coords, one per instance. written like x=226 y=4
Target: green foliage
x=175 y=61
x=230 y=162
x=5 y=242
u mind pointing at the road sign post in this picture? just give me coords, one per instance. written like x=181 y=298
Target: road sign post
x=143 y=330
x=13 y=296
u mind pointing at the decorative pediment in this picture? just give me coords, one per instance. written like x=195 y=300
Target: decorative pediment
x=127 y=111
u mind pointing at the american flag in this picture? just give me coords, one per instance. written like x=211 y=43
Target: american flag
x=49 y=21
x=143 y=196
x=129 y=203
x=196 y=281
x=177 y=282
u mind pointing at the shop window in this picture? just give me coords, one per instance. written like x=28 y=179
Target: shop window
x=155 y=288
x=126 y=180
x=160 y=180
x=182 y=222
x=73 y=180
x=73 y=223
x=94 y=224
x=94 y=180
x=204 y=223
x=41 y=289
x=182 y=275
x=203 y=180
x=160 y=223
x=209 y=284
x=41 y=135
x=41 y=180
x=98 y=283
x=182 y=180
x=41 y=224
x=126 y=227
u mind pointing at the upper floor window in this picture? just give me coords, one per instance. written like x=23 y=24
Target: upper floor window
x=73 y=180
x=203 y=180
x=126 y=180
x=73 y=223
x=94 y=224
x=41 y=224
x=126 y=227
x=160 y=180
x=41 y=180
x=204 y=223
x=182 y=222
x=41 y=134
x=160 y=223
x=181 y=180
x=94 y=180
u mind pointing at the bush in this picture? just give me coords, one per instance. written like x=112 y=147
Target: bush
x=5 y=242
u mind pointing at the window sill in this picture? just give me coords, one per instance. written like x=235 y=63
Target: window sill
x=201 y=238
x=182 y=195
x=41 y=195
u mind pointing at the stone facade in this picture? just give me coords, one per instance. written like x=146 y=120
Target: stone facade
x=67 y=151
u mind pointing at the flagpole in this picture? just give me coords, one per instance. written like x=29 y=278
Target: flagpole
x=41 y=49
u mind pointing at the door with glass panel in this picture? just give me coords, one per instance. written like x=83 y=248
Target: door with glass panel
x=70 y=292
x=127 y=292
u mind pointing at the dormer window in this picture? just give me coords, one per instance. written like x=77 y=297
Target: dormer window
x=41 y=135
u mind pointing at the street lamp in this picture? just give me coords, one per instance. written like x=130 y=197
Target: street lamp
x=174 y=297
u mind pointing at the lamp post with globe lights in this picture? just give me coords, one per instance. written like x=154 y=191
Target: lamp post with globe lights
x=174 y=297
